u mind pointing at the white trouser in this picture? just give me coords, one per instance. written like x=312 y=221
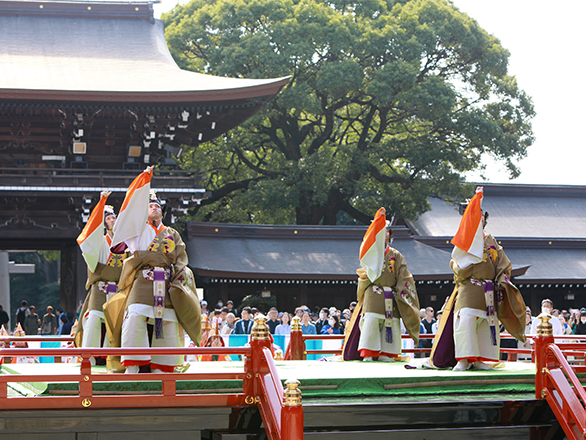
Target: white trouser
x=92 y=330
x=135 y=334
x=373 y=335
x=472 y=338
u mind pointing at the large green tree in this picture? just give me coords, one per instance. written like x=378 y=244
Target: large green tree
x=389 y=102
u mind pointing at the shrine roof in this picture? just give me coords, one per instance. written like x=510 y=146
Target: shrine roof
x=298 y=252
x=516 y=210
x=111 y=52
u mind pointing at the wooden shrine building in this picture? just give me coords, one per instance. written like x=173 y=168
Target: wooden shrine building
x=89 y=96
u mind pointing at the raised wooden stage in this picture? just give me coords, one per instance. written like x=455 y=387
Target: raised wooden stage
x=245 y=399
x=342 y=400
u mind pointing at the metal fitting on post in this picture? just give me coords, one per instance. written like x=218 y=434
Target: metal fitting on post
x=544 y=327
x=296 y=324
x=260 y=329
x=292 y=396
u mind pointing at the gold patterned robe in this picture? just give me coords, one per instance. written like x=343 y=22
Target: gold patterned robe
x=167 y=250
x=468 y=293
x=406 y=302
x=96 y=297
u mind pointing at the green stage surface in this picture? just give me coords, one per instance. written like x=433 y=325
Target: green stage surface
x=319 y=379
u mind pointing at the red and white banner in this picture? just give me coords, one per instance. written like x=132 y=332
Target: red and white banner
x=135 y=209
x=469 y=240
x=372 y=249
x=90 y=239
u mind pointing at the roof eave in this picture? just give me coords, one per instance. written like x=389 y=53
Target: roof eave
x=264 y=92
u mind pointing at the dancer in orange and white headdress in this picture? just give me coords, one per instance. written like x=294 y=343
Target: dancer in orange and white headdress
x=386 y=294
x=104 y=269
x=156 y=284
x=468 y=333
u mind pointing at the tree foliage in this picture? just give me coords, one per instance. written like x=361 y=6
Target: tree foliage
x=389 y=102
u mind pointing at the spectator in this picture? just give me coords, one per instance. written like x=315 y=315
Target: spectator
x=438 y=317
x=4 y=318
x=307 y=328
x=527 y=345
x=204 y=307
x=31 y=322
x=352 y=307
x=323 y=319
x=332 y=327
x=216 y=320
x=565 y=326
x=21 y=313
x=231 y=309
x=574 y=319
x=228 y=327
x=223 y=314
x=285 y=327
x=334 y=311
x=254 y=312
x=299 y=312
x=58 y=312
x=273 y=321
x=345 y=319
x=49 y=325
x=580 y=327
x=244 y=326
x=547 y=307
x=428 y=323
x=422 y=331
x=66 y=325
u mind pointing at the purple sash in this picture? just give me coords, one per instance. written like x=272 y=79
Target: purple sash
x=389 y=296
x=159 y=300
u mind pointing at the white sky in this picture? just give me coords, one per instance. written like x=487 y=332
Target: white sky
x=546 y=44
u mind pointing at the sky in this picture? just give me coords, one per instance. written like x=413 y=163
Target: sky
x=545 y=41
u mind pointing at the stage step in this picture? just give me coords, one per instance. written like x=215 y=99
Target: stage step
x=373 y=419
x=478 y=433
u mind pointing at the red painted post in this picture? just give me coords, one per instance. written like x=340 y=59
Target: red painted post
x=296 y=343
x=85 y=384
x=542 y=341
x=259 y=339
x=292 y=412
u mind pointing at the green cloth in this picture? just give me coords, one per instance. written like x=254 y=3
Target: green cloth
x=325 y=380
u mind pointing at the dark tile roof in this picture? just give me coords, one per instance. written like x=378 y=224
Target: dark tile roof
x=298 y=252
x=544 y=211
x=65 y=51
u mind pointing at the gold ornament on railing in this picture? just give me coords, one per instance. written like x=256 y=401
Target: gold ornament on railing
x=260 y=329
x=544 y=327
x=296 y=324
x=292 y=395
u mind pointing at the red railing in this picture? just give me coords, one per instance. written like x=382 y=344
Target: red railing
x=556 y=380
x=282 y=415
x=297 y=351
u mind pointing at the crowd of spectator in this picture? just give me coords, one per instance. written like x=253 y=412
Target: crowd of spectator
x=332 y=320
x=325 y=321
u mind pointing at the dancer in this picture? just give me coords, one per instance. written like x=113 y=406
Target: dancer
x=386 y=294
x=157 y=286
x=104 y=268
x=469 y=329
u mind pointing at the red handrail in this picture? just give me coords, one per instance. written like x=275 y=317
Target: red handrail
x=556 y=380
x=296 y=350
x=563 y=391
